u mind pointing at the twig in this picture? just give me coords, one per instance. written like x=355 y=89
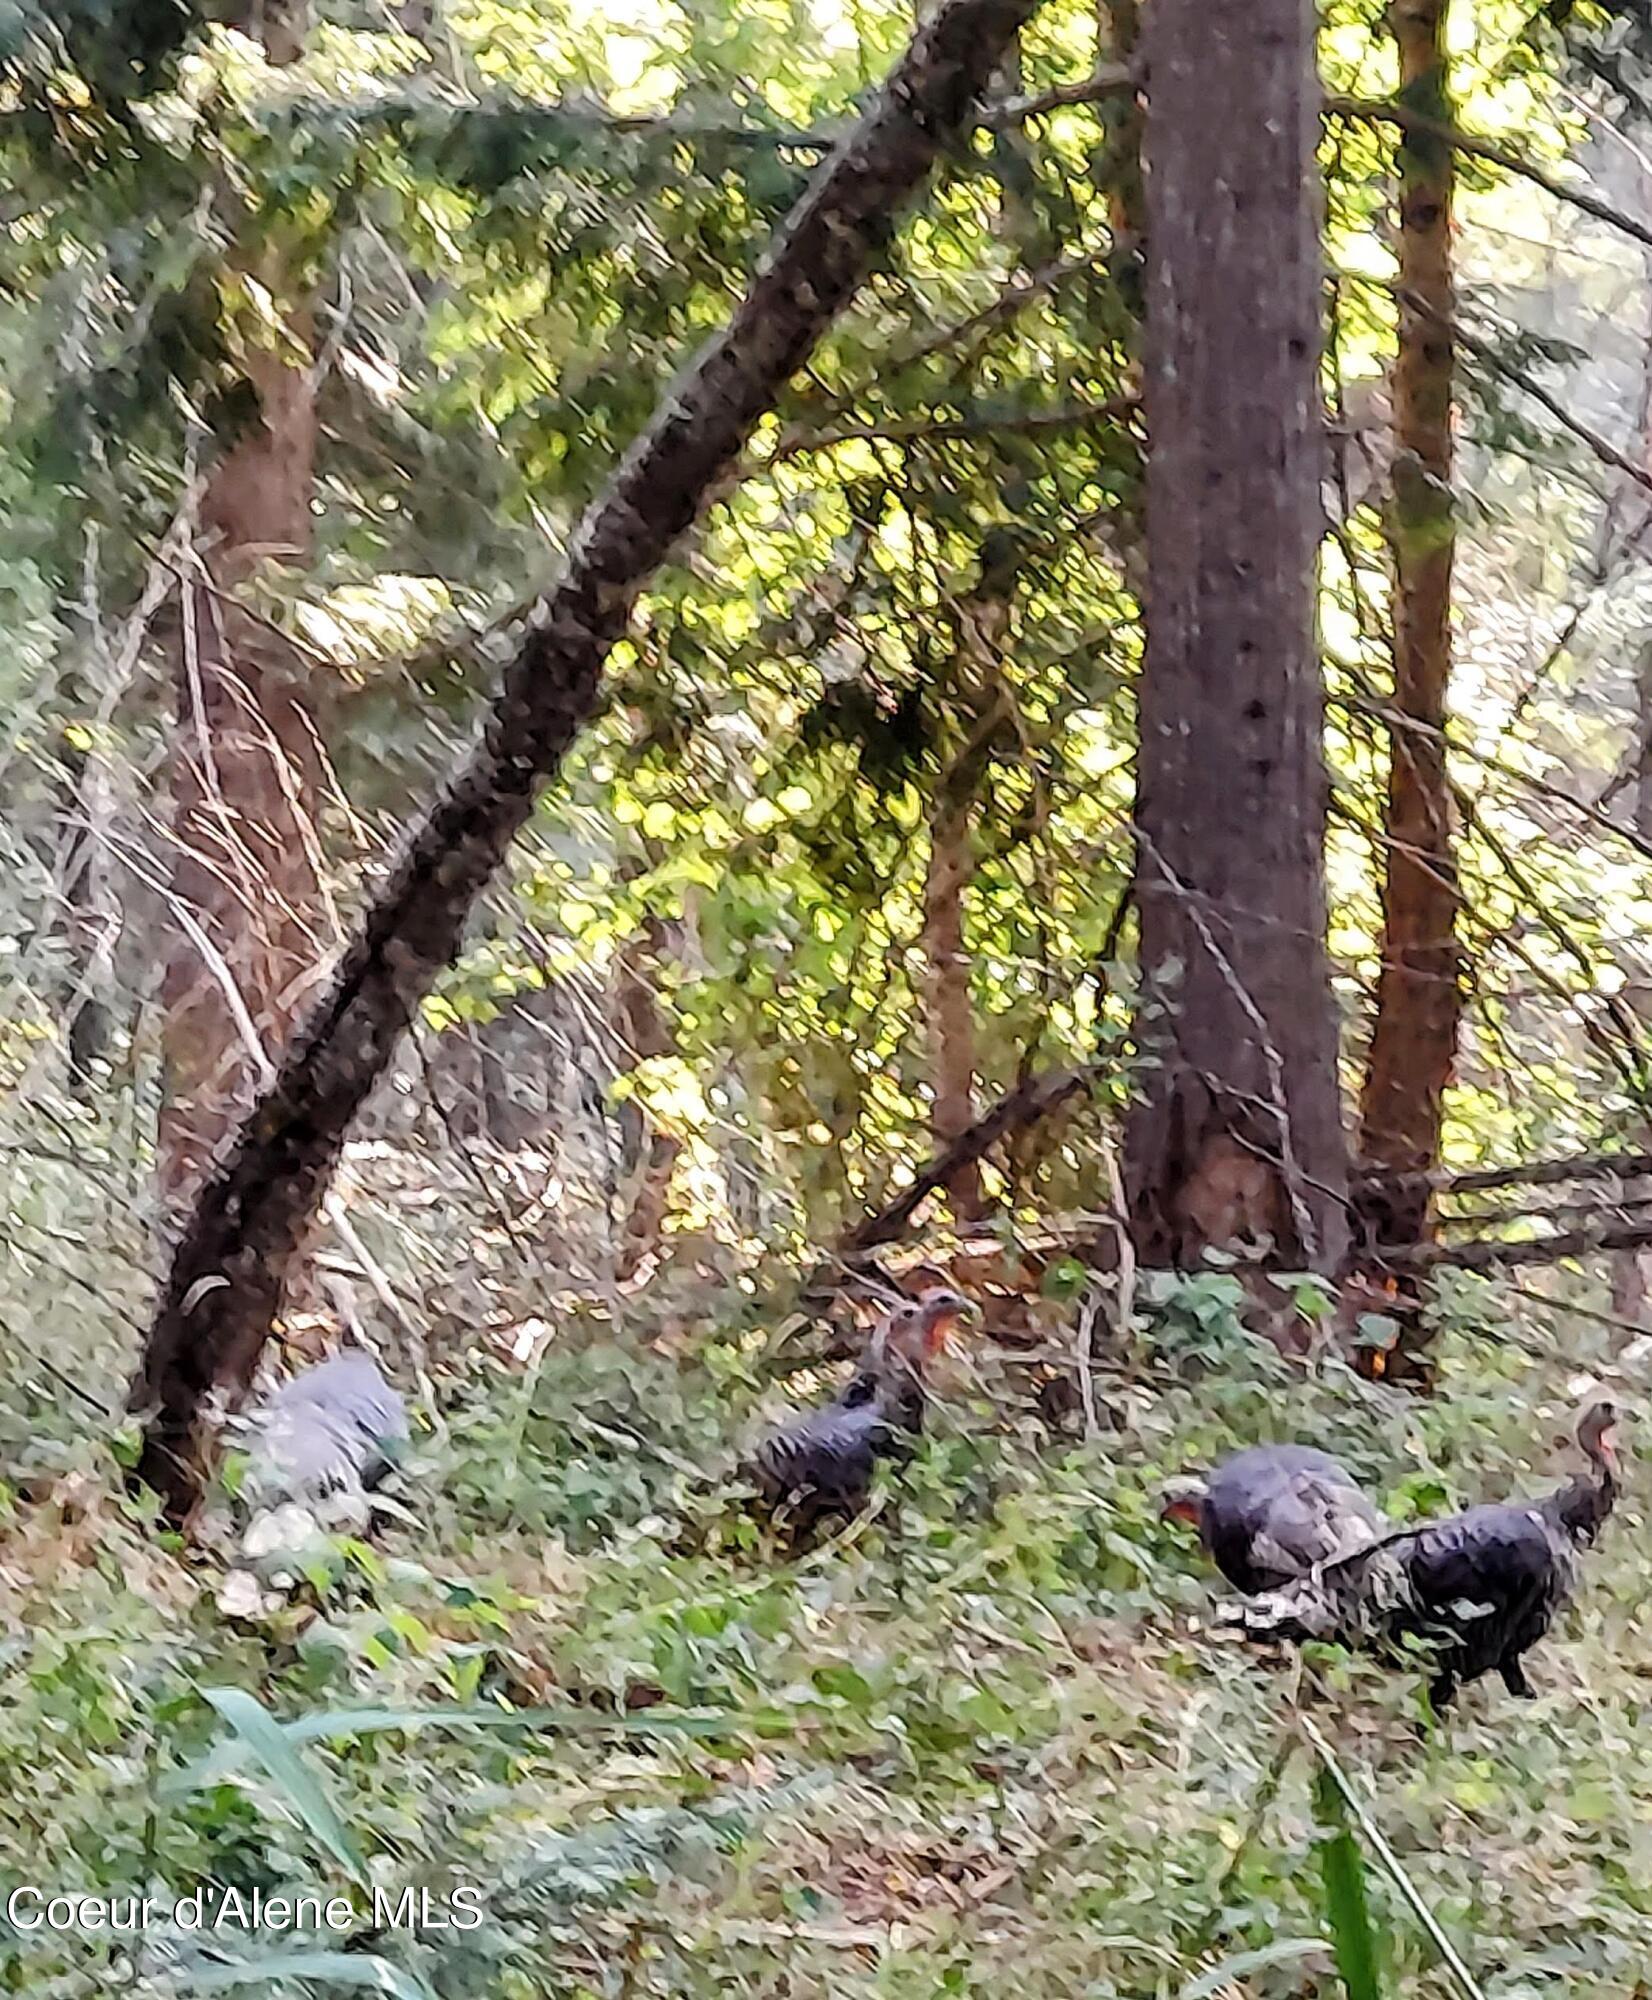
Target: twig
x=1601 y=446
x=926 y=429
x=1087 y=1357
x=1111 y=80
x=1119 y=1216
x=338 y=1215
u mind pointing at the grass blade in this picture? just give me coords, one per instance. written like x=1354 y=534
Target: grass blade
x=1450 y=1957
x=1283 y=1951
x=343 y=1725
x=1346 y=1909
x=356 y=1969
x=270 y=1745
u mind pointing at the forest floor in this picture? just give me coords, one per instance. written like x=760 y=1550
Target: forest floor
x=992 y=1742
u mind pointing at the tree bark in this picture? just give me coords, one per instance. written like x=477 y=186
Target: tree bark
x=245 y=883
x=231 y=1264
x=1419 y=989
x=1238 y=1136
x=971 y=706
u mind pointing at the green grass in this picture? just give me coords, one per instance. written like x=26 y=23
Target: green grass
x=1002 y=1751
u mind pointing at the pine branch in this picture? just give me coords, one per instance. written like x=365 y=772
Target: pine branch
x=1380 y=111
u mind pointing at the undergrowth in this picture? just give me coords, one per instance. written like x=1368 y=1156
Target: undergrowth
x=991 y=1741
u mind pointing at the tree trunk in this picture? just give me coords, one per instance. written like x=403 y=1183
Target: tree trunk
x=246 y=776
x=644 y=1035
x=1238 y=1137
x=90 y=917
x=971 y=704
x=229 y=1269
x=1419 y=991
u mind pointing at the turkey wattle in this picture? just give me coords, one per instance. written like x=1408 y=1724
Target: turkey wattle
x=1480 y=1587
x=820 y=1468
x=1266 y=1516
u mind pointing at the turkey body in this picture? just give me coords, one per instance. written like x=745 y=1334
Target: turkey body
x=1480 y=1588
x=1268 y=1515
x=325 y=1437
x=819 y=1469
x=1483 y=1587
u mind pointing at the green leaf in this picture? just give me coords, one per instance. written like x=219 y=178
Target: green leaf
x=273 y=1748
x=339 y=1968
x=1346 y=1908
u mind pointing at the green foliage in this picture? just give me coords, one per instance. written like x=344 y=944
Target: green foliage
x=991 y=1736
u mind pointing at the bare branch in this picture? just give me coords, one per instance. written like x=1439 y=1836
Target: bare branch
x=1025 y=1105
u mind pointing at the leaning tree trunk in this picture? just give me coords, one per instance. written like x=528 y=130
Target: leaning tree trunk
x=229 y=1269
x=1419 y=990
x=244 y=893
x=1238 y=1136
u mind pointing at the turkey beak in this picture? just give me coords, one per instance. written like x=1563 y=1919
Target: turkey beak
x=1182 y=1503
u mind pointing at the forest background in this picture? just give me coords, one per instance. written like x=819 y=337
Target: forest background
x=898 y=831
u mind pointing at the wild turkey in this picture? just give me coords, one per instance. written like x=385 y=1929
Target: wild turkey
x=819 y=1469
x=1267 y=1515
x=322 y=1441
x=1481 y=1587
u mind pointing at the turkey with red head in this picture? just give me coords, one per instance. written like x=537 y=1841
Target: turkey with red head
x=1266 y=1516
x=819 y=1468
x=1480 y=1588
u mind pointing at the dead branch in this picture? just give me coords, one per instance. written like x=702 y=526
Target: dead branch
x=1489 y=1254
x=1025 y=1105
x=1377 y=111
x=1581 y=1167
x=925 y=430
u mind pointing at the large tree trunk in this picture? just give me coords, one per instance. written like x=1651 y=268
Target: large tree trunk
x=228 y=1272
x=244 y=893
x=1238 y=1137
x=1419 y=991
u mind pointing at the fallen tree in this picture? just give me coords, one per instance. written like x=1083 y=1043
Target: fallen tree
x=231 y=1262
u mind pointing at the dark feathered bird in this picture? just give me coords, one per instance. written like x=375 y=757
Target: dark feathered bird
x=1480 y=1588
x=819 y=1468
x=1267 y=1515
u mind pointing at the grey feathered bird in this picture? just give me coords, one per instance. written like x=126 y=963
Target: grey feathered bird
x=1269 y=1514
x=820 y=1467
x=322 y=1440
x=1480 y=1587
